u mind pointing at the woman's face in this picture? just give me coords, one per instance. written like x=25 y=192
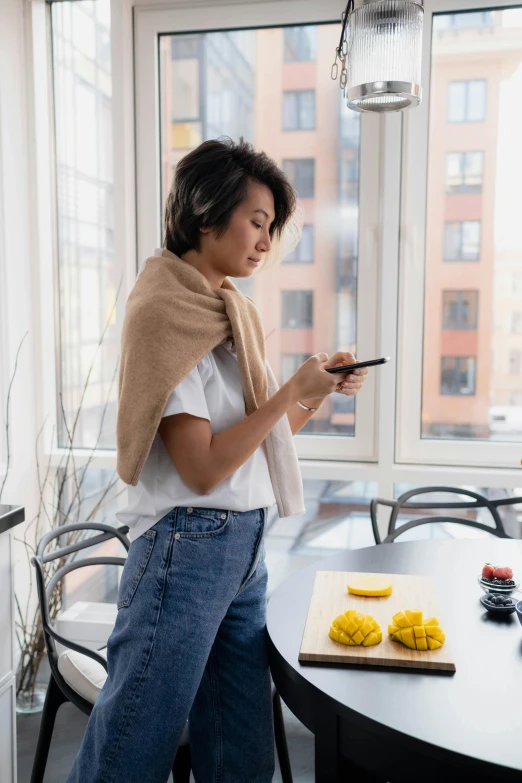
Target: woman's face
x=238 y=251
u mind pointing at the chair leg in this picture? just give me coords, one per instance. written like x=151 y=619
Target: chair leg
x=280 y=740
x=182 y=765
x=54 y=698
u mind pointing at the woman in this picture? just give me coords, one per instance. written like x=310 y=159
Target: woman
x=205 y=444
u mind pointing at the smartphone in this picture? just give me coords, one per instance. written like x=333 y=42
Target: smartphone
x=348 y=368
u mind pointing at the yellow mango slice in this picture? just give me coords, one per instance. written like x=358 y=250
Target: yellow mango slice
x=370 y=585
x=401 y=620
x=409 y=628
x=354 y=628
x=407 y=637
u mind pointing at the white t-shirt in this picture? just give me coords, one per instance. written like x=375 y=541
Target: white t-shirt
x=212 y=391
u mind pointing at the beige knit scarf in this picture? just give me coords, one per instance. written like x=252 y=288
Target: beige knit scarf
x=173 y=319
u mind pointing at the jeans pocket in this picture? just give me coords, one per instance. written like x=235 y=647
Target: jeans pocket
x=135 y=565
x=205 y=522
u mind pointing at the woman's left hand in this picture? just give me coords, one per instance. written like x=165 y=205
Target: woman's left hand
x=348 y=384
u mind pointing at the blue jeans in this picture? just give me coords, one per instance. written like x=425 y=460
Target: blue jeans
x=189 y=642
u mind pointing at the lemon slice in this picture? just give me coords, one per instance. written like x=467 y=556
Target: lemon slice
x=369 y=585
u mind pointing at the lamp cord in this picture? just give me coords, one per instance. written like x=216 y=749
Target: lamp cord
x=347 y=10
x=340 y=52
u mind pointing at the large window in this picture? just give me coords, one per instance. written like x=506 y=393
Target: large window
x=457 y=375
x=459 y=310
x=88 y=270
x=226 y=83
x=297 y=309
x=462 y=240
x=464 y=172
x=299 y=110
x=467 y=101
x=466 y=206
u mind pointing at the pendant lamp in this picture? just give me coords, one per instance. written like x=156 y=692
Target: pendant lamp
x=380 y=54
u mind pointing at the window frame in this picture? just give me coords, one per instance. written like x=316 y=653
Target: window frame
x=410 y=446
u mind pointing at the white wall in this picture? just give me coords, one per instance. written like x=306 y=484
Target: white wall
x=20 y=267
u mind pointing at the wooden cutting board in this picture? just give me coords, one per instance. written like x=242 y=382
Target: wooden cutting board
x=330 y=598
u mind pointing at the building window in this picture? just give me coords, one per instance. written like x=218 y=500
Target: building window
x=290 y=363
x=464 y=172
x=515 y=361
x=304 y=252
x=300 y=43
x=516 y=322
x=467 y=101
x=297 y=309
x=301 y=173
x=457 y=375
x=459 y=309
x=299 y=110
x=462 y=240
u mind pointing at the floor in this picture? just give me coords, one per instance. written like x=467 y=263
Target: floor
x=70 y=725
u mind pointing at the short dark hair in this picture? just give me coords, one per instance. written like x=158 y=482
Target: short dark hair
x=210 y=182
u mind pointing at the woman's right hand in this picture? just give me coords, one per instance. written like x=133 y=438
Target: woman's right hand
x=312 y=381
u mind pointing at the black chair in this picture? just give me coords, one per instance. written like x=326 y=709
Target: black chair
x=62 y=688
x=402 y=504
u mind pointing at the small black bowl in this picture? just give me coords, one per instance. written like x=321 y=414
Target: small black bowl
x=502 y=609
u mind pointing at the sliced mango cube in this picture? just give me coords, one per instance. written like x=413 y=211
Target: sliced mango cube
x=407 y=637
x=409 y=628
x=354 y=628
x=401 y=620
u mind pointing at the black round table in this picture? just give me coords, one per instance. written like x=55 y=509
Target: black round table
x=411 y=726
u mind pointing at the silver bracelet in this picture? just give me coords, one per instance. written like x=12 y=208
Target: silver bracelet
x=306 y=408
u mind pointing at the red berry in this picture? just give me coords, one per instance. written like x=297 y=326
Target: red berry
x=487 y=571
x=503 y=573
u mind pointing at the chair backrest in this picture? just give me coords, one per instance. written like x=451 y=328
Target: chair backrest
x=403 y=503
x=45 y=591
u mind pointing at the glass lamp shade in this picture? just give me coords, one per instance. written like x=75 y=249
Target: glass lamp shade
x=384 y=43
